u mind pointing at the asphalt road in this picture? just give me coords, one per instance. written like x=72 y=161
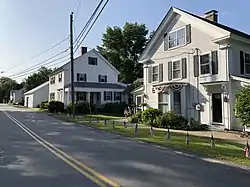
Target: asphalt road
x=113 y=159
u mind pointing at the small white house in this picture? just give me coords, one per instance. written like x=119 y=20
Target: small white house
x=194 y=65
x=95 y=81
x=34 y=97
x=16 y=96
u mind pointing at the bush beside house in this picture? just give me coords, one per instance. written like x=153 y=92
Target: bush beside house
x=242 y=106
x=170 y=120
x=55 y=107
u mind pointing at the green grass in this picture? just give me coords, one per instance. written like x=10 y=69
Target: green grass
x=224 y=150
x=101 y=117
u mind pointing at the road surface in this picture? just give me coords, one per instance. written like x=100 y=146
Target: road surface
x=39 y=150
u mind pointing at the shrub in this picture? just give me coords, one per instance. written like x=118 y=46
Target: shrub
x=242 y=105
x=150 y=115
x=55 y=106
x=196 y=126
x=44 y=105
x=113 y=108
x=171 y=120
x=136 y=118
x=81 y=108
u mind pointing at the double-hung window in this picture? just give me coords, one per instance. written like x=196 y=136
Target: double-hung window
x=52 y=80
x=205 y=64
x=81 y=77
x=177 y=38
x=155 y=73
x=176 y=69
x=247 y=63
x=163 y=99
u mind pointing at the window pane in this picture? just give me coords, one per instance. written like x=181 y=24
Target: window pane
x=163 y=98
x=247 y=58
x=205 y=69
x=177 y=97
x=163 y=107
x=176 y=65
x=155 y=69
x=172 y=39
x=247 y=67
x=138 y=100
x=155 y=77
x=176 y=74
x=181 y=36
x=204 y=59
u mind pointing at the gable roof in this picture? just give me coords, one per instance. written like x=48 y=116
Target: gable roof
x=37 y=88
x=171 y=11
x=61 y=68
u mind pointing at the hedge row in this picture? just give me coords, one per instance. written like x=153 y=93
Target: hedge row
x=156 y=118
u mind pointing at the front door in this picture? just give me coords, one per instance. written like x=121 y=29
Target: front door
x=27 y=101
x=217 y=108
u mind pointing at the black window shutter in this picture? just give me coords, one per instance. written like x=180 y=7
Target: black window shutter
x=160 y=72
x=188 y=34
x=170 y=70
x=184 y=68
x=78 y=77
x=106 y=78
x=196 y=66
x=214 y=62
x=111 y=98
x=99 y=78
x=149 y=74
x=242 y=68
x=85 y=77
x=165 y=40
x=114 y=96
x=105 y=94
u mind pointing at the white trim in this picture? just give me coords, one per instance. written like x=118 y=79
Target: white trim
x=153 y=73
x=241 y=79
x=180 y=60
x=37 y=88
x=176 y=30
x=210 y=64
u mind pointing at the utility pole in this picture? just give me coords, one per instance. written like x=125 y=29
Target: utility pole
x=72 y=66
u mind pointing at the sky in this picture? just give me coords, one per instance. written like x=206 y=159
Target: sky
x=29 y=27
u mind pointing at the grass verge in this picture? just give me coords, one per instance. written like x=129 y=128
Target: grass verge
x=224 y=150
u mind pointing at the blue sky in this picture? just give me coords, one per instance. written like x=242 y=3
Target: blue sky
x=30 y=26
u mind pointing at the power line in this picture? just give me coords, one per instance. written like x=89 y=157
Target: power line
x=39 y=63
x=39 y=54
x=88 y=22
x=92 y=25
x=36 y=68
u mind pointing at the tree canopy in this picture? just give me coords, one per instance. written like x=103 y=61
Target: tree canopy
x=122 y=47
x=7 y=84
x=37 y=79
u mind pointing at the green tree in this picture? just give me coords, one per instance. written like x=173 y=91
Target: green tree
x=122 y=47
x=37 y=79
x=7 y=84
x=242 y=105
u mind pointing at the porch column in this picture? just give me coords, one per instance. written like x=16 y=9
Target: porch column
x=88 y=97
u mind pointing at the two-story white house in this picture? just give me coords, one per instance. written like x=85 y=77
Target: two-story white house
x=95 y=81
x=194 y=65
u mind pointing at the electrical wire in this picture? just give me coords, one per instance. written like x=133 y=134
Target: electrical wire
x=92 y=25
x=88 y=22
x=37 y=68
x=39 y=63
x=39 y=54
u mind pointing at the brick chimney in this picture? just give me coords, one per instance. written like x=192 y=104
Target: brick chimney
x=212 y=15
x=84 y=50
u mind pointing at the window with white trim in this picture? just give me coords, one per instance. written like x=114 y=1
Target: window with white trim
x=177 y=102
x=92 y=61
x=205 y=64
x=108 y=96
x=118 y=96
x=60 y=77
x=138 y=100
x=155 y=73
x=52 y=80
x=52 y=96
x=247 y=63
x=81 y=96
x=102 y=78
x=163 y=102
x=176 y=69
x=81 y=77
x=177 y=38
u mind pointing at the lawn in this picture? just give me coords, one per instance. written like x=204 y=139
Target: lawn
x=100 y=117
x=224 y=150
